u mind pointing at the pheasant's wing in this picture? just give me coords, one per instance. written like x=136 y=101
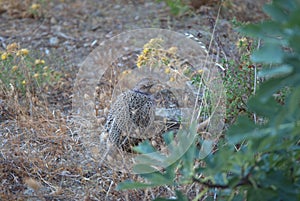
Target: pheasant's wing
x=144 y=115
x=118 y=117
x=115 y=133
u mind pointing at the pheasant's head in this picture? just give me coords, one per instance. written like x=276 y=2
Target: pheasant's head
x=145 y=84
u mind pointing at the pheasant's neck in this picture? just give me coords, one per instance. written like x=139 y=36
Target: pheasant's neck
x=141 y=92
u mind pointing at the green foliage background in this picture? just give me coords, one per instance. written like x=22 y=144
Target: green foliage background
x=266 y=166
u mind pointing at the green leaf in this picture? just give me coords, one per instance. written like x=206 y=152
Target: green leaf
x=255 y=194
x=288 y=5
x=294 y=19
x=158 y=178
x=241 y=130
x=187 y=162
x=179 y=197
x=268 y=108
x=294 y=42
x=143 y=168
x=269 y=53
x=168 y=137
x=232 y=182
x=275 y=12
x=152 y=159
x=275 y=71
x=206 y=148
x=294 y=101
x=126 y=185
x=267 y=30
x=268 y=88
x=144 y=148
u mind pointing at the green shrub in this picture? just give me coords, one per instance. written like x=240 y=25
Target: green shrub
x=177 y=7
x=22 y=71
x=266 y=165
x=239 y=81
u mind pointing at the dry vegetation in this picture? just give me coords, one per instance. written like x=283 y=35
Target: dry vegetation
x=42 y=154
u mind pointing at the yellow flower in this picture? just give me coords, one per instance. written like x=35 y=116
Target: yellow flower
x=165 y=60
x=172 y=79
x=167 y=70
x=4 y=56
x=200 y=71
x=146 y=51
x=56 y=73
x=125 y=72
x=141 y=60
x=12 y=47
x=22 y=52
x=45 y=74
x=24 y=82
x=172 y=50
x=242 y=42
x=35 y=6
x=139 y=64
x=141 y=57
x=36 y=75
x=39 y=61
x=154 y=43
x=46 y=68
x=14 y=68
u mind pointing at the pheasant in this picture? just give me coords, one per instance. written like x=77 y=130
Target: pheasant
x=133 y=109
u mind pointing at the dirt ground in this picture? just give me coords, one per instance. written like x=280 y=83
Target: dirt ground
x=48 y=161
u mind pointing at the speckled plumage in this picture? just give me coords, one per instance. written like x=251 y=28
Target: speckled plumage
x=133 y=109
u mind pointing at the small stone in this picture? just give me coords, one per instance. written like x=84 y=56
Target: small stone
x=153 y=143
x=53 y=41
x=53 y=20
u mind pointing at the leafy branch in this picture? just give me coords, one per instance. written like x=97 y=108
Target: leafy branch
x=266 y=166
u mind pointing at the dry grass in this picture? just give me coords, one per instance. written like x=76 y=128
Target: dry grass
x=22 y=9
x=43 y=156
x=42 y=153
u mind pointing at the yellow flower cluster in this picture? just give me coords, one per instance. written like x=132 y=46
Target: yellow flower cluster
x=155 y=43
x=22 y=52
x=14 y=61
x=4 y=56
x=12 y=49
x=39 y=61
x=172 y=50
x=167 y=70
x=14 y=68
x=35 y=6
x=242 y=42
x=200 y=71
x=36 y=75
x=154 y=53
x=146 y=51
x=172 y=79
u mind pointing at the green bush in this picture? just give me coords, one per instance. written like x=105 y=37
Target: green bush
x=266 y=165
x=177 y=7
x=21 y=71
x=239 y=81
